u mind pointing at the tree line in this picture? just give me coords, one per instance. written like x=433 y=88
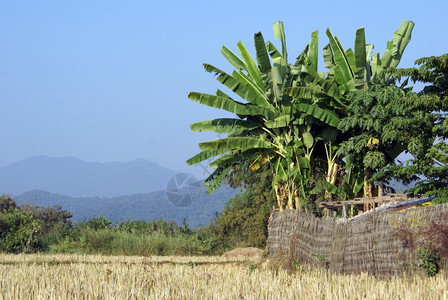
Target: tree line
x=29 y=228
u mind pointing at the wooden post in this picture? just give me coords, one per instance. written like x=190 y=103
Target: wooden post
x=344 y=212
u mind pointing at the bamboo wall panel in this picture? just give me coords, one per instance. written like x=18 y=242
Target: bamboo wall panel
x=368 y=243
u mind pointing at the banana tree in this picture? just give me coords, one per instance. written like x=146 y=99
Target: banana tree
x=263 y=129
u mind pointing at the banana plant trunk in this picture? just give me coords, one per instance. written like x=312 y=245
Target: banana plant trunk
x=287 y=193
x=332 y=176
x=297 y=200
x=368 y=186
x=278 y=194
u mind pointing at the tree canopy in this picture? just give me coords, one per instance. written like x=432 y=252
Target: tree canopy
x=429 y=166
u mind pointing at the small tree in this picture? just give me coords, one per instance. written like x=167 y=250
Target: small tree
x=429 y=165
x=51 y=217
x=19 y=231
x=383 y=122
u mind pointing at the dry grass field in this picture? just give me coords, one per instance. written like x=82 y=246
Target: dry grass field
x=124 y=277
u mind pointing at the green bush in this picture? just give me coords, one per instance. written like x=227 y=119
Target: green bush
x=429 y=259
x=56 y=223
x=98 y=223
x=135 y=237
x=19 y=231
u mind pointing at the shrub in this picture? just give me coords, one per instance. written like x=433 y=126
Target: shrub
x=19 y=231
x=55 y=223
x=429 y=259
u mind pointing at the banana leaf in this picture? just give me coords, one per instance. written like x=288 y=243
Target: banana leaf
x=327 y=116
x=328 y=187
x=402 y=39
x=253 y=92
x=262 y=53
x=329 y=60
x=341 y=61
x=308 y=139
x=387 y=56
x=277 y=70
x=351 y=59
x=224 y=125
x=279 y=34
x=229 y=105
x=360 y=60
x=204 y=155
x=251 y=66
x=217 y=177
x=232 y=143
x=279 y=122
x=224 y=160
x=233 y=59
x=313 y=52
x=234 y=85
x=220 y=102
x=377 y=67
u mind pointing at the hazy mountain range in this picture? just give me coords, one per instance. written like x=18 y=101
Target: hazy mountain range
x=140 y=189
x=148 y=206
x=73 y=177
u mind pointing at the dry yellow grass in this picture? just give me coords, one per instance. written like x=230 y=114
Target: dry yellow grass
x=108 y=277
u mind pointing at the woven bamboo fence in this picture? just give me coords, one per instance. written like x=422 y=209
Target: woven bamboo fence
x=369 y=243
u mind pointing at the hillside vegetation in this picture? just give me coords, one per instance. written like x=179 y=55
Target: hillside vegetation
x=147 y=206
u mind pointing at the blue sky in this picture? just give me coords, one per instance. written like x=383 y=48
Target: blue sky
x=107 y=80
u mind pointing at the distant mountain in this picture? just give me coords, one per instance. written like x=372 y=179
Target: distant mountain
x=76 y=178
x=148 y=206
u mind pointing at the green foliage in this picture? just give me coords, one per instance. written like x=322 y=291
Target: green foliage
x=31 y=228
x=19 y=231
x=431 y=71
x=382 y=123
x=136 y=237
x=429 y=259
x=97 y=223
x=50 y=216
x=427 y=143
x=243 y=221
x=253 y=267
x=56 y=223
x=433 y=242
x=6 y=202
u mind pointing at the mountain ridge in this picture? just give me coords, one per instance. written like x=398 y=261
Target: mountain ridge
x=143 y=206
x=76 y=178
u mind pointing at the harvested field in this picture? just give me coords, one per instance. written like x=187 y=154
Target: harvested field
x=122 y=277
